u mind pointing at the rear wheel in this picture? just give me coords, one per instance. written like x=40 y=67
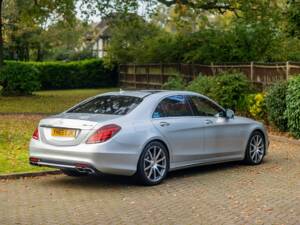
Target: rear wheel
x=153 y=165
x=73 y=173
x=256 y=148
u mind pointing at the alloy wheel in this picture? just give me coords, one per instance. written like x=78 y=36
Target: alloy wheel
x=155 y=163
x=257 y=148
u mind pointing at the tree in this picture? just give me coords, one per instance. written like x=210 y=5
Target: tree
x=128 y=33
x=33 y=13
x=293 y=14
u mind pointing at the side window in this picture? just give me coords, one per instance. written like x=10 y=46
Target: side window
x=173 y=106
x=204 y=107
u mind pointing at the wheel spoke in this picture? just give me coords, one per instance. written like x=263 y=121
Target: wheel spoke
x=161 y=159
x=158 y=154
x=154 y=172
x=161 y=166
x=150 y=154
x=159 y=172
x=147 y=160
x=253 y=145
x=150 y=173
x=148 y=167
x=259 y=142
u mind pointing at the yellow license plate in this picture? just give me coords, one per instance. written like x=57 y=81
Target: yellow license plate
x=62 y=132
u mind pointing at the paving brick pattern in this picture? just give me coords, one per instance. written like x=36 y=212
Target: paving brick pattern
x=212 y=195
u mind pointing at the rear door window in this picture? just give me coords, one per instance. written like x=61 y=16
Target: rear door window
x=173 y=106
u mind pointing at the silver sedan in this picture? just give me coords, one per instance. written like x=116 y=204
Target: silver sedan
x=146 y=134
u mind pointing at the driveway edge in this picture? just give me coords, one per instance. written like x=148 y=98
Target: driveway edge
x=28 y=174
x=284 y=139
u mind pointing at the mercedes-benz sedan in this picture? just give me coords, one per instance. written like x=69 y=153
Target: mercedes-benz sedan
x=146 y=134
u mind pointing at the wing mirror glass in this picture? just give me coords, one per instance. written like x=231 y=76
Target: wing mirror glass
x=229 y=114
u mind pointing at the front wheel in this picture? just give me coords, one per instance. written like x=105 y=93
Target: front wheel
x=256 y=149
x=153 y=165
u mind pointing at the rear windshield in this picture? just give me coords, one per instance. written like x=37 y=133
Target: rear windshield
x=108 y=104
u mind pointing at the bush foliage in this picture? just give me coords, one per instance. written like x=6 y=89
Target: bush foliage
x=203 y=85
x=19 y=79
x=276 y=105
x=175 y=82
x=257 y=106
x=293 y=106
x=226 y=88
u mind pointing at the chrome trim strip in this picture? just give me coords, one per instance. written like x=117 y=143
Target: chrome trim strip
x=55 y=165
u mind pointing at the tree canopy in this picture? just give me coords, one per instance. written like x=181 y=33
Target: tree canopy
x=154 y=30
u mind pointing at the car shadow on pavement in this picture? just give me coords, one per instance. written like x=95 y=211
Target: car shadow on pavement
x=105 y=181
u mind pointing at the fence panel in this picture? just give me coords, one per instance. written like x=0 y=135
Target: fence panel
x=153 y=76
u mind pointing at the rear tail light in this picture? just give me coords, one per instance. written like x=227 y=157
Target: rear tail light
x=104 y=133
x=36 y=134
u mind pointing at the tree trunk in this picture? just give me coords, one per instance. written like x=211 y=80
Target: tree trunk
x=1 y=36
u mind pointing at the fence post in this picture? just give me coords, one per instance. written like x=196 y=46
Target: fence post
x=212 y=68
x=287 y=70
x=162 y=73
x=119 y=76
x=193 y=71
x=134 y=66
x=147 y=74
x=251 y=71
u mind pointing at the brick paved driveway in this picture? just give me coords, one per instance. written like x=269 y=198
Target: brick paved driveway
x=224 y=194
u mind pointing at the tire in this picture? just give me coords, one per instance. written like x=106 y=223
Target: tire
x=155 y=158
x=73 y=173
x=256 y=149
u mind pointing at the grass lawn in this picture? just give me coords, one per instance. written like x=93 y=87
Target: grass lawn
x=15 y=133
x=16 y=130
x=47 y=101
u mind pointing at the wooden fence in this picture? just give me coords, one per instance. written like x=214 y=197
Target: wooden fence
x=152 y=76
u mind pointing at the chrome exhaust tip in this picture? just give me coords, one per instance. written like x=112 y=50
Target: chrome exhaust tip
x=85 y=170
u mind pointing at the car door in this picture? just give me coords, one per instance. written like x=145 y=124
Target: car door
x=222 y=136
x=175 y=121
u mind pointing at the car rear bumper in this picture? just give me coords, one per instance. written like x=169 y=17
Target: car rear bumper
x=110 y=158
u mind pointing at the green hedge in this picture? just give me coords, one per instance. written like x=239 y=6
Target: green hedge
x=293 y=106
x=19 y=79
x=276 y=105
x=80 y=74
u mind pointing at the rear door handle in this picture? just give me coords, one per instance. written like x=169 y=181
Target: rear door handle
x=208 y=122
x=164 y=124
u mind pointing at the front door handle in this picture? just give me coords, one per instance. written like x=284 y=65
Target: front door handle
x=164 y=124
x=207 y=122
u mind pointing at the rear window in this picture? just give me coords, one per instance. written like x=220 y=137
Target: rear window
x=108 y=104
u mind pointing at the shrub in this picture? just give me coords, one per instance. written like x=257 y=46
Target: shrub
x=293 y=106
x=80 y=74
x=19 y=79
x=228 y=89
x=276 y=105
x=175 y=82
x=203 y=85
x=257 y=106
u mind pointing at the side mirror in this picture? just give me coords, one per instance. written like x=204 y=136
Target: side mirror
x=229 y=114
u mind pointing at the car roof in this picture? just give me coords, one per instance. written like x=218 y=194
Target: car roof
x=145 y=93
